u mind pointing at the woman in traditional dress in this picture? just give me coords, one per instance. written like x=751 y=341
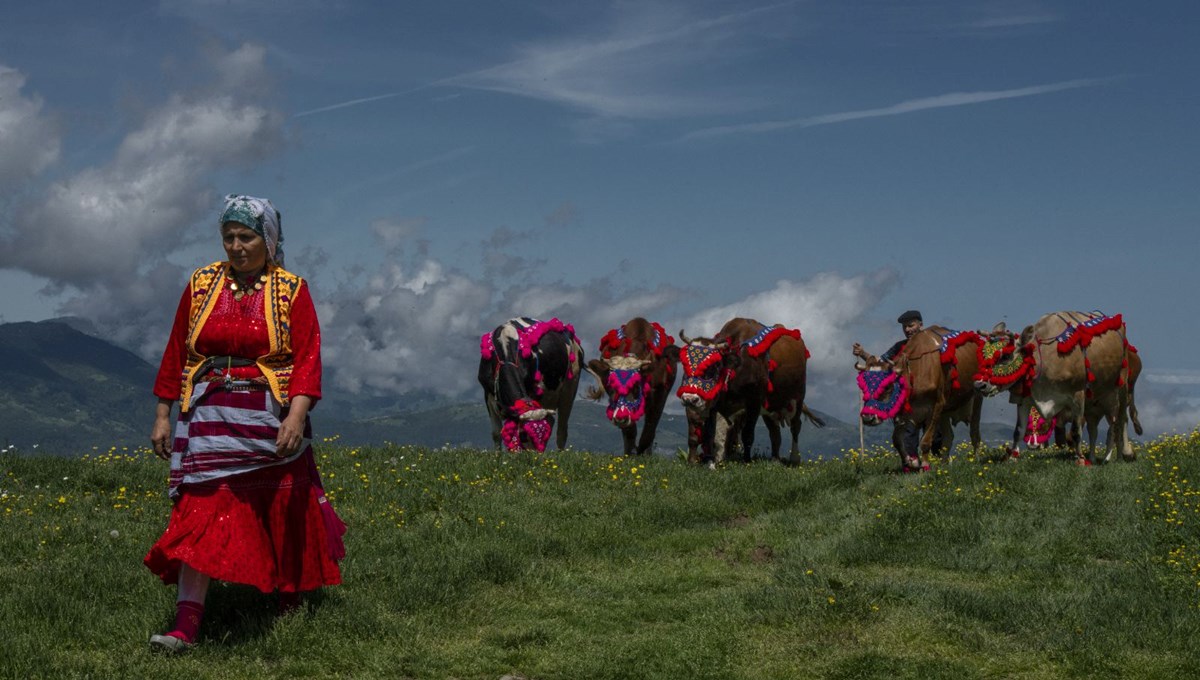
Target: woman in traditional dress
x=244 y=361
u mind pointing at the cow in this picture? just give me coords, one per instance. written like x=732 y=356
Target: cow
x=636 y=368
x=731 y=378
x=529 y=370
x=1074 y=366
x=927 y=386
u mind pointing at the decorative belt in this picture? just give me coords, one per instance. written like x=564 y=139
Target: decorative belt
x=242 y=385
x=216 y=369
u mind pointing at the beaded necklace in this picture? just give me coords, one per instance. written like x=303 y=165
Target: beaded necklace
x=246 y=286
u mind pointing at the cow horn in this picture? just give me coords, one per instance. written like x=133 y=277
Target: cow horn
x=683 y=336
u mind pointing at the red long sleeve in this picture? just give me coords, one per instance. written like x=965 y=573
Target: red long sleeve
x=306 y=347
x=170 y=369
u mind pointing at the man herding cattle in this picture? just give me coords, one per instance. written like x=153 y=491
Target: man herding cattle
x=906 y=435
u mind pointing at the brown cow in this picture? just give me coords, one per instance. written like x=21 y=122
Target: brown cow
x=637 y=369
x=1075 y=365
x=935 y=367
x=728 y=380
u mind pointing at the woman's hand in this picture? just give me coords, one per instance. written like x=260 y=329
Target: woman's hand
x=291 y=429
x=160 y=434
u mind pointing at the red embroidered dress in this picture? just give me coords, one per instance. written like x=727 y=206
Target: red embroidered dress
x=240 y=514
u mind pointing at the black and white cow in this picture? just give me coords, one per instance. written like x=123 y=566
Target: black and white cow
x=529 y=371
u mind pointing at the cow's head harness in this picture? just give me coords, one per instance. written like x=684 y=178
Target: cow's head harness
x=705 y=374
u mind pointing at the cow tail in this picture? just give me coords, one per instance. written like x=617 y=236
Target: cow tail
x=595 y=391
x=1133 y=414
x=813 y=418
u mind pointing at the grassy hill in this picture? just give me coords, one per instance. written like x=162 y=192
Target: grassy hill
x=474 y=564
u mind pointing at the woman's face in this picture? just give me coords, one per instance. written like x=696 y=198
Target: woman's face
x=246 y=250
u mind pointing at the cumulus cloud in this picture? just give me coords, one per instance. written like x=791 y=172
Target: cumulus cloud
x=829 y=309
x=825 y=308
x=103 y=235
x=412 y=324
x=1168 y=408
x=29 y=142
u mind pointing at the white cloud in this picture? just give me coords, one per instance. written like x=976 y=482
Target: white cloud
x=1172 y=377
x=103 y=234
x=825 y=308
x=29 y=143
x=104 y=222
x=630 y=72
x=1167 y=410
x=829 y=311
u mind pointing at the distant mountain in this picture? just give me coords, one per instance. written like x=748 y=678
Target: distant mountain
x=63 y=389
x=463 y=425
x=68 y=391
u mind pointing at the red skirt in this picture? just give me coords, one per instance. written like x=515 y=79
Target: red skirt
x=264 y=528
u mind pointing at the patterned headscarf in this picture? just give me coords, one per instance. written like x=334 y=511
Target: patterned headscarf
x=260 y=215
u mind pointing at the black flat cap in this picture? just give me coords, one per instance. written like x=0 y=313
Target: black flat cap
x=910 y=315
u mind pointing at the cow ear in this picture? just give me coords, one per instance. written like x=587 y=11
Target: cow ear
x=860 y=366
x=999 y=328
x=671 y=353
x=598 y=366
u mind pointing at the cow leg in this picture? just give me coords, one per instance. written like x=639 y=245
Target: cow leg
x=1125 y=407
x=1093 y=430
x=976 y=416
x=1076 y=409
x=749 y=422
x=1014 y=451
x=1117 y=434
x=774 y=435
x=910 y=445
x=494 y=414
x=565 y=403
x=943 y=439
x=628 y=436
x=697 y=431
x=932 y=429
x=794 y=426
x=650 y=428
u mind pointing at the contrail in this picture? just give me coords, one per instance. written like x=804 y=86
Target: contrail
x=912 y=105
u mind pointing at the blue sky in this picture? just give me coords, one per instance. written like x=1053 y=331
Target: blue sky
x=443 y=166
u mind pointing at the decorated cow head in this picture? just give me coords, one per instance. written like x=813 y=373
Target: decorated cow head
x=626 y=381
x=1006 y=362
x=530 y=429
x=520 y=361
x=884 y=390
x=708 y=366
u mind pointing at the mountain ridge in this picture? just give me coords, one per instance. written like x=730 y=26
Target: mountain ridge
x=66 y=390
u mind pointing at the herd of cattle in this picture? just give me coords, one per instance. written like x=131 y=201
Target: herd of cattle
x=1067 y=368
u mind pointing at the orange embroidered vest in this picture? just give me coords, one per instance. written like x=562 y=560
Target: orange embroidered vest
x=278 y=293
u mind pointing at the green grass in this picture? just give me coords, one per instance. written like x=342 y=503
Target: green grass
x=476 y=564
